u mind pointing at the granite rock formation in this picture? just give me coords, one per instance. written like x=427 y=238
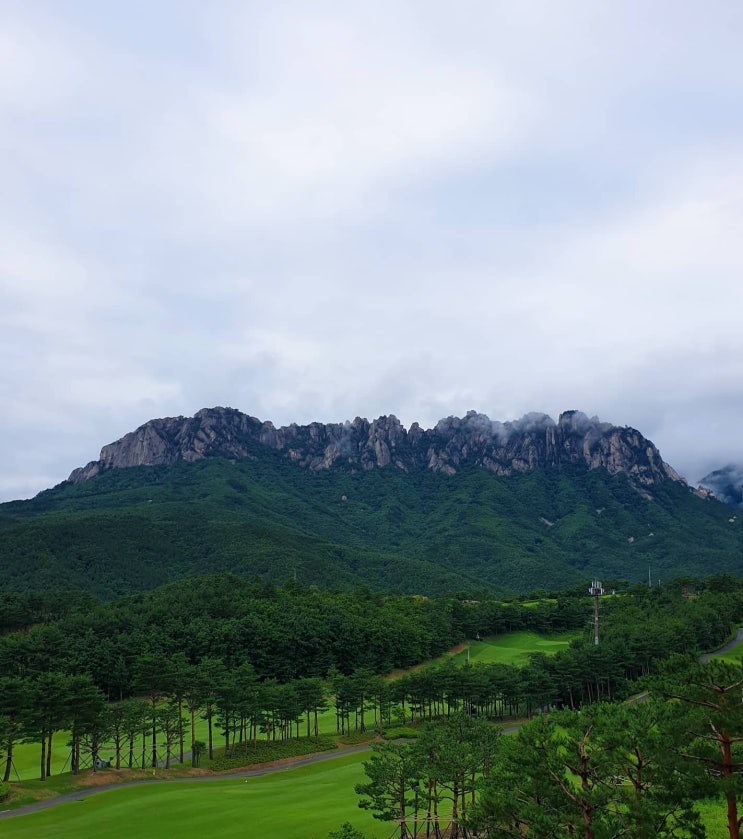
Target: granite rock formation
x=534 y=441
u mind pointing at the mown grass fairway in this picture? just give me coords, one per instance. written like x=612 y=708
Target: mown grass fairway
x=734 y=656
x=26 y=757
x=294 y=804
x=303 y=803
x=514 y=648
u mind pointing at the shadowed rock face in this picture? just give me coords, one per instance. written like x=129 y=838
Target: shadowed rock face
x=535 y=441
x=726 y=484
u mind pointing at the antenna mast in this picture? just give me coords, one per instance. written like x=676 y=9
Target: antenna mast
x=596 y=590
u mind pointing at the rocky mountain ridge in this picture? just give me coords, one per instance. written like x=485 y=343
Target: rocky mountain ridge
x=535 y=441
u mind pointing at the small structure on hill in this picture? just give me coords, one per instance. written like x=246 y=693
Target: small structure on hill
x=596 y=590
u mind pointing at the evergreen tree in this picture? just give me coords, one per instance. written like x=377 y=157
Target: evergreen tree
x=710 y=727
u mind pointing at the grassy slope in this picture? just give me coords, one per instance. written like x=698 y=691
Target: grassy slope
x=303 y=802
x=714 y=818
x=514 y=648
x=734 y=656
x=294 y=804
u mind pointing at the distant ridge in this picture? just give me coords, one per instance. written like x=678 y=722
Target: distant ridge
x=503 y=448
x=726 y=484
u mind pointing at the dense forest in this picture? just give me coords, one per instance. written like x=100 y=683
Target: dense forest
x=413 y=532
x=257 y=660
x=606 y=771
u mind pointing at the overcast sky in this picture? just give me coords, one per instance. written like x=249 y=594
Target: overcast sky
x=318 y=210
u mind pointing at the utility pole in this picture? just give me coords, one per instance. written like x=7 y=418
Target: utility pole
x=596 y=590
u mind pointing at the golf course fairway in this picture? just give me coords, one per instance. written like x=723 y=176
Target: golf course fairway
x=300 y=803
x=513 y=648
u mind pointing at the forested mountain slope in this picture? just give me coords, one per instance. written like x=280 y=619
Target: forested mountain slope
x=412 y=530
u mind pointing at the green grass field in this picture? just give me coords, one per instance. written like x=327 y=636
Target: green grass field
x=514 y=648
x=26 y=756
x=714 y=818
x=303 y=803
x=734 y=656
x=294 y=804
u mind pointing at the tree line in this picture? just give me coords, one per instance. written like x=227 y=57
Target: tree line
x=257 y=661
x=606 y=771
x=284 y=633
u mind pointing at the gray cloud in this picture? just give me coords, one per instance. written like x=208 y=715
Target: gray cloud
x=318 y=213
x=727 y=484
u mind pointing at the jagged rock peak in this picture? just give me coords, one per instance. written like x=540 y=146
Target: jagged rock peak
x=534 y=441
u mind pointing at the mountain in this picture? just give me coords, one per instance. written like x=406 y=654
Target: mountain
x=468 y=505
x=726 y=484
x=534 y=442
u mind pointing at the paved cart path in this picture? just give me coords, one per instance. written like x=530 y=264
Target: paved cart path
x=261 y=769
x=731 y=645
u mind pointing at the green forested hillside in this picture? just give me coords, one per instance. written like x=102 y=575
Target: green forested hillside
x=418 y=532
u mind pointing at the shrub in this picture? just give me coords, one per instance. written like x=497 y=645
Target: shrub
x=352 y=738
x=347 y=831
x=400 y=731
x=266 y=752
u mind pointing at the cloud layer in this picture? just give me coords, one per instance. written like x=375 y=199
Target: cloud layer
x=329 y=210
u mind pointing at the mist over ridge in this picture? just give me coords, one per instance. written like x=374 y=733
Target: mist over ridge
x=534 y=441
x=726 y=484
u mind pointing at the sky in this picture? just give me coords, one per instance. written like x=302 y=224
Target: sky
x=323 y=210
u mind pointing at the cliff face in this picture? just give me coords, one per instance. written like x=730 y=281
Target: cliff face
x=535 y=441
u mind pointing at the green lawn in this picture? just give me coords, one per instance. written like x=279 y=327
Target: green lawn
x=714 y=818
x=26 y=756
x=303 y=803
x=514 y=648
x=733 y=656
x=294 y=804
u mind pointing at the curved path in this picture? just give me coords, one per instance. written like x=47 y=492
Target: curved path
x=261 y=769
x=731 y=645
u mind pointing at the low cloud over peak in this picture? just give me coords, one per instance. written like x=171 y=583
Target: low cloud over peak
x=315 y=212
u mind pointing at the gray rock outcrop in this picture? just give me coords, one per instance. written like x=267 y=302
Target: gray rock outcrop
x=534 y=441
